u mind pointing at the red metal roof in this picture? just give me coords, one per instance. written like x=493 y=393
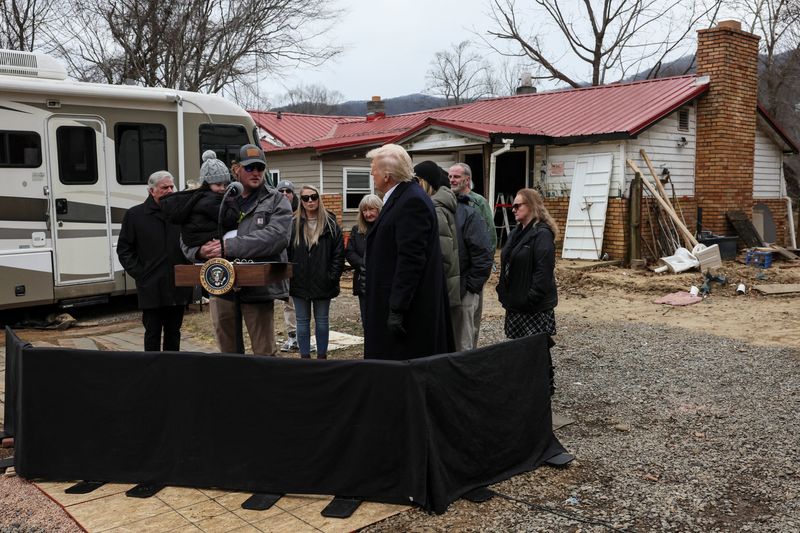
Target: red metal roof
x=624 y=109
x=295 y=128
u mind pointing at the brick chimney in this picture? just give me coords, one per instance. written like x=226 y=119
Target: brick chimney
x=526 y=84
x=375 y=109
x=726 y=123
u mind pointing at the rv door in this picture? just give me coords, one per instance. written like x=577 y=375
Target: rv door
x=81 y=225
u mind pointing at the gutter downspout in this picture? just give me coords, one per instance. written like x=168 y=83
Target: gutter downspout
x=493 y=169
x=789 y=213
x=181 y=153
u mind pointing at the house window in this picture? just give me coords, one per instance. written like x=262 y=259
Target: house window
x=20 y=149
x=141 y=149
x=77 y=155
x=274 y=176
x=683 y=119
x=357 y=184
x=224 y=139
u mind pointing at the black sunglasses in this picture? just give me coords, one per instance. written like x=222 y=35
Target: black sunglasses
x=285 y=190
x=514 y=207
x=254 y=166
x=309 y=197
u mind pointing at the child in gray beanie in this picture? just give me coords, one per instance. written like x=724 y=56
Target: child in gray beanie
x=197 y=210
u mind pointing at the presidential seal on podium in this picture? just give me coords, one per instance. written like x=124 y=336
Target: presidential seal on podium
x=217 y=276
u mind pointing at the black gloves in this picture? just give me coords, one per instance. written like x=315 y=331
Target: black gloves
x=395 y=324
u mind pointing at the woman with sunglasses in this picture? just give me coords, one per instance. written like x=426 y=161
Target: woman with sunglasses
x=368 y=210
x=316 y=250
x=527 y=285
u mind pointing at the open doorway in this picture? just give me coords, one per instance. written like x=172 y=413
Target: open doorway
x=509 y=178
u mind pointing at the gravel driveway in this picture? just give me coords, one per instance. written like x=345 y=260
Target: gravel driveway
x=675 y=431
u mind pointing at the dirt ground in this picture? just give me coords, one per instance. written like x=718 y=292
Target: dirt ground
x=617 y=294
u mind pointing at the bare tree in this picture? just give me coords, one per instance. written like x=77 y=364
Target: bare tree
x=312 y=99
x=459 y=75
x=777 y=22
x=506 y=76
x=609 y=38
x=21 y=22
x=195 y=45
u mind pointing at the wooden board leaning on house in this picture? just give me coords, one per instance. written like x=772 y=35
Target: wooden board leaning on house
x=745 y=228
x=247 y=274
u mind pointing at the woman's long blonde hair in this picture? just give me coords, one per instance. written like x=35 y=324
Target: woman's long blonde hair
x=311 y=236
x=370 y=200
x=540 y=212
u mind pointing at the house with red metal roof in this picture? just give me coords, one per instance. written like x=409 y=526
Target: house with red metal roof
x=707 y=133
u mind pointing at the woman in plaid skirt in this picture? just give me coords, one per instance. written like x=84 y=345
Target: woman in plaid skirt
x=527 y=286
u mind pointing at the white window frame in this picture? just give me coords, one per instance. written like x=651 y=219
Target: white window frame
x=345 y=191
x=276 y=173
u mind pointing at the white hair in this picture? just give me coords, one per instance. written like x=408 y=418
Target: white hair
x=394 y=160
x=157 y=176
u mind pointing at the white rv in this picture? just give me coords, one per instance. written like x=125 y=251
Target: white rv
x=74 y=157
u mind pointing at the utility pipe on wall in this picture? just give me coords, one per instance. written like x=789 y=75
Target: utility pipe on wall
x=789 y=213
x=181 y=151
x=493 y=168
x=792 y=236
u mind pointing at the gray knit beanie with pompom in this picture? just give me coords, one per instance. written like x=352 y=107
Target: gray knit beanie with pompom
x=213 y=170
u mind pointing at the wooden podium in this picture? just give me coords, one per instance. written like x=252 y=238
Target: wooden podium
x=247 y=274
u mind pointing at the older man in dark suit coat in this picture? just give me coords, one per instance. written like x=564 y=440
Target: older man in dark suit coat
x=407 y=314
x=149 y=248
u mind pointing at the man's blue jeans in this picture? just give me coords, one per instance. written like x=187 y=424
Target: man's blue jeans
x=302 y=309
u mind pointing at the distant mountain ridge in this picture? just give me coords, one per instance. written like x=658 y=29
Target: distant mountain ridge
x=393 y=106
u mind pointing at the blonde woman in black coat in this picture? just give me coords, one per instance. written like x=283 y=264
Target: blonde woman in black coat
x=316 y=250
x=368 y=210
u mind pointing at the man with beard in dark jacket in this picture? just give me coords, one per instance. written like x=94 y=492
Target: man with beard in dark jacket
x=149 y=248
x=262 y=235
x=475 y=256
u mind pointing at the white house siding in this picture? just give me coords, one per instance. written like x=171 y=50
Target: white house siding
x=333 y=181
x=661 y=144
x=561 y=185
x=444 y=160
x=767 y=167
x=297 y=167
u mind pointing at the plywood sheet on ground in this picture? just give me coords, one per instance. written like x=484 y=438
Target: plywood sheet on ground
x=187 y=509
x=778 y=288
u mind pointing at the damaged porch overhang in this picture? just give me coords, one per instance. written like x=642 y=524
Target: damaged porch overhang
x=436 y=138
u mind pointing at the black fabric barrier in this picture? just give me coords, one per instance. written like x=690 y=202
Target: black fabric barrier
x=424 y=431
x=13 y=353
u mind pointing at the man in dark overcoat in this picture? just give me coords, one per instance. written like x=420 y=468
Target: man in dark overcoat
x=407 y=313
x=148 y=249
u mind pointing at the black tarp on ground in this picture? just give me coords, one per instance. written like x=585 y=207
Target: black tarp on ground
x=424 y=431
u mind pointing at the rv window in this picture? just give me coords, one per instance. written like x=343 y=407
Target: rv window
x=357 y=184
x=224 y=139
x=77 y=155
x=141 y=150
x=20 y=149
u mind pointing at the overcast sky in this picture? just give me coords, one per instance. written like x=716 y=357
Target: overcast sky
x=388 y=46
